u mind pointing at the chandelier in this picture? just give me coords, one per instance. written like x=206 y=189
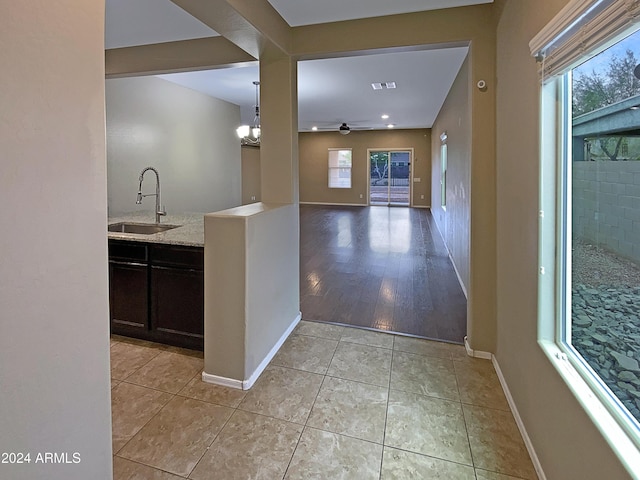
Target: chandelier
x=250 y=135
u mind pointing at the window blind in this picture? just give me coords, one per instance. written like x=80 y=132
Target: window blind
x=580 y=28
x=340 y=168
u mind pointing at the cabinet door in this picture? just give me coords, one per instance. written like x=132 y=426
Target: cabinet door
x=128 y=298
x=177 y=305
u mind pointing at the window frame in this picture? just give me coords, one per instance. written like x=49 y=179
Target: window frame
x=339 y=168
x=443 y=170
x=573 y=369
x=581 y=30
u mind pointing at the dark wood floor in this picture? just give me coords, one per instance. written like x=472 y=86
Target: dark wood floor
x=379 y=267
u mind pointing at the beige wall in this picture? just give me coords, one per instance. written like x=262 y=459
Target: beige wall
x=54 y=311
x=314 y=163
x=252 y=293
x=566 y=440
x=188 y=136
x=250 y=175
x=454 y=221
x=252 y=261
x=279 y=128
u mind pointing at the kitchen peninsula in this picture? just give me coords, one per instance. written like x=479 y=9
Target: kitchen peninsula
x=156 y=281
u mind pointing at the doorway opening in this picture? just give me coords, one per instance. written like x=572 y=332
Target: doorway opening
x=390 y=177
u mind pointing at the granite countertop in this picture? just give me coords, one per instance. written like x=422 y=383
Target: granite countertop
x=190 y=232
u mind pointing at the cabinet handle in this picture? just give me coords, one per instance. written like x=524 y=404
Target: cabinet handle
x=135 y=264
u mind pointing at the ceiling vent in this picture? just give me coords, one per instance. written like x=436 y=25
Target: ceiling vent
x=383 y=85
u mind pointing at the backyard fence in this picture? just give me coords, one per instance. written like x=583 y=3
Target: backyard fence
x=606 y=206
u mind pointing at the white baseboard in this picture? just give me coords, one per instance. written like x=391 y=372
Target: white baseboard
x=516 y=415
x=222 y=381
x=248 y=383
x=476 y=353
x=455 y=268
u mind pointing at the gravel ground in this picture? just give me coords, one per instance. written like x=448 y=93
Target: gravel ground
x=606 y=319
x=594 y=266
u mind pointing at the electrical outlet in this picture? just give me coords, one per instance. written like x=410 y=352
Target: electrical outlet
x=361 y=196
x=253 y=198
x=421 y=197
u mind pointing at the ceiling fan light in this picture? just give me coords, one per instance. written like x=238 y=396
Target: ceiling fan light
x=242 y=131
x=344 y=129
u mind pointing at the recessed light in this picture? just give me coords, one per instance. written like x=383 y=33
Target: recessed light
x=315 y=129
x=391 y=125
x=385 y=116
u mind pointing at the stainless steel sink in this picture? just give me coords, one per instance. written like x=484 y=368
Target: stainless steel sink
x=140 y=228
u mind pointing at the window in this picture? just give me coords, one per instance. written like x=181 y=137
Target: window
x=602 y=197
x=443 y=170
x=339 y=168
x=589 y=291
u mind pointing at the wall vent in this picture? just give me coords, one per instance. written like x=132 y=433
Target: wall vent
x=383 y=85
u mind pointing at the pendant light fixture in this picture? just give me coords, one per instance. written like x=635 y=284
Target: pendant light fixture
x=250 y=136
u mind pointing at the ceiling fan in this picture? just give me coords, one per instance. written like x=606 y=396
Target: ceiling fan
x=342 y=127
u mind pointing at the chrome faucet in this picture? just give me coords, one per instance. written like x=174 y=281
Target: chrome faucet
x=160 y=211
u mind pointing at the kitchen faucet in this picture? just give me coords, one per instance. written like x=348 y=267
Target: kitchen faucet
x=159 y=209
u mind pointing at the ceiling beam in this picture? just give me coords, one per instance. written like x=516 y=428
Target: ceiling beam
x=186 y=55
x=445 y=27
x=250 y=24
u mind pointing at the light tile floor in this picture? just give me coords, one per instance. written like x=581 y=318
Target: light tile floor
x=335 y=403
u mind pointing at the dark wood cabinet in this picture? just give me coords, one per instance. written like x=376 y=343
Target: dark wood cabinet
x=156 y=292
x=128 y=288
x=128 y=298
x=177 y=294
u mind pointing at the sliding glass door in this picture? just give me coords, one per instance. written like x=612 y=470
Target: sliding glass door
x=390 y=177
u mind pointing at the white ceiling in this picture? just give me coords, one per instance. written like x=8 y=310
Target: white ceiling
x=141 y=22
x=307 y=12
x=330 y=91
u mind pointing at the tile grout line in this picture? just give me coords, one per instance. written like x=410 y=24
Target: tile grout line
x=206 y=450
x=304 y=426
x=464 y=419
x=173 y=395
x=152 y=417
x=386 y=412
x=141 y=366
x=149 y=466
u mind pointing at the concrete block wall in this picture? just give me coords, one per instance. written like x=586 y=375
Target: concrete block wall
x=606 y=206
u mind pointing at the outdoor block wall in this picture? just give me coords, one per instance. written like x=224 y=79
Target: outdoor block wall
x=606 y=206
